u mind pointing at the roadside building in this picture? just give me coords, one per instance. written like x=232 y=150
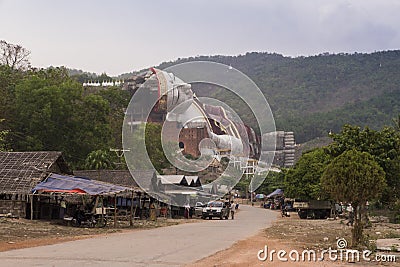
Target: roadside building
x=19 y=173
x=136 y=201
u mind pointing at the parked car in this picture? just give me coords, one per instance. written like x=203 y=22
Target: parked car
x=198 y=209
x=215 y=209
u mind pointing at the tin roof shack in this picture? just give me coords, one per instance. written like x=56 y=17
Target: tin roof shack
x=119 y=177
x=19 y=173
x=187 y=188
x=63 y=185
x=193 y=181
x=136 y=202
x=170 y=182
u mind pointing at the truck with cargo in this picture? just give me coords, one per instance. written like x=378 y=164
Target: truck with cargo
x=313 y=209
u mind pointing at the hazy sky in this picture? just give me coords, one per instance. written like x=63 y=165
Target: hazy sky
x=121 y=36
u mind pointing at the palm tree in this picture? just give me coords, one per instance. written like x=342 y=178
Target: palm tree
x=99 y=160
x=396 y=122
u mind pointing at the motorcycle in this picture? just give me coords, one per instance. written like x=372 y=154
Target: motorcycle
x=285 y=212
x=90 y=220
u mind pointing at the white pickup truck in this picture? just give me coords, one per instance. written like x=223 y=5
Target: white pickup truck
x=215 y=209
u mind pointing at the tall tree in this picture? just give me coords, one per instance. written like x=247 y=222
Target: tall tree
x=273 y=181
x=154 y=146
x=3 y=134
x=54 y=113
x=8 y=80
x=15 y=56
x=98 y=160
x=354 y=177
x=145 y=148
x=94 y=129
x=396 y=123
x=118 y=100
x=383 y=145
x=45 y=112
x=303 y=181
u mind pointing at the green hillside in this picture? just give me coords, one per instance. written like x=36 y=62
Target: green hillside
x=317 y=94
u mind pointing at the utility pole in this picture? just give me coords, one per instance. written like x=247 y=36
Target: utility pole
x=247 y=189
x=119 y=153
x=251 y=172
x=251 y=191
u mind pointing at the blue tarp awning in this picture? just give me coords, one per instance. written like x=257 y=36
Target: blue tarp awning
x=78 y=185
x=277 y=192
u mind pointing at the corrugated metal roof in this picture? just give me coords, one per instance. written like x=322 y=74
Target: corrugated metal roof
x=74 y=184
x=192 y=179
x=117 y=177
x=173 y=179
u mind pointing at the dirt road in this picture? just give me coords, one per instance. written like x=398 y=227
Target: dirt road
x=293 y=233
x=169 y=246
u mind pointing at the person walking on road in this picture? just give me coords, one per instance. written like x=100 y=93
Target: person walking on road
x=153 y=212
x=232 y=208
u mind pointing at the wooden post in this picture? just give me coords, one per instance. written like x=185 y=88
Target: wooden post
x=140 y=207
x=131 y=216
x=170 y=207
x=95 y=204
x=115 y=211
x=31 y=198
x=102 y=208
x=13 y=198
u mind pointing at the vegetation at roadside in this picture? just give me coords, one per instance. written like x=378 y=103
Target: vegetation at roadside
x=354 y=177
x=273 y=181
x=360 y=165
x=303 y=181
x=3 y=134
x=46 y=109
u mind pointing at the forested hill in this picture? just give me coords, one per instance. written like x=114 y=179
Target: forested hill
x=317 y=94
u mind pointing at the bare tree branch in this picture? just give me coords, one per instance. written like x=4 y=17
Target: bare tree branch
x=14 y=56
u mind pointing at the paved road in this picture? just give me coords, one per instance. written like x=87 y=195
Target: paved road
x=167 y=246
